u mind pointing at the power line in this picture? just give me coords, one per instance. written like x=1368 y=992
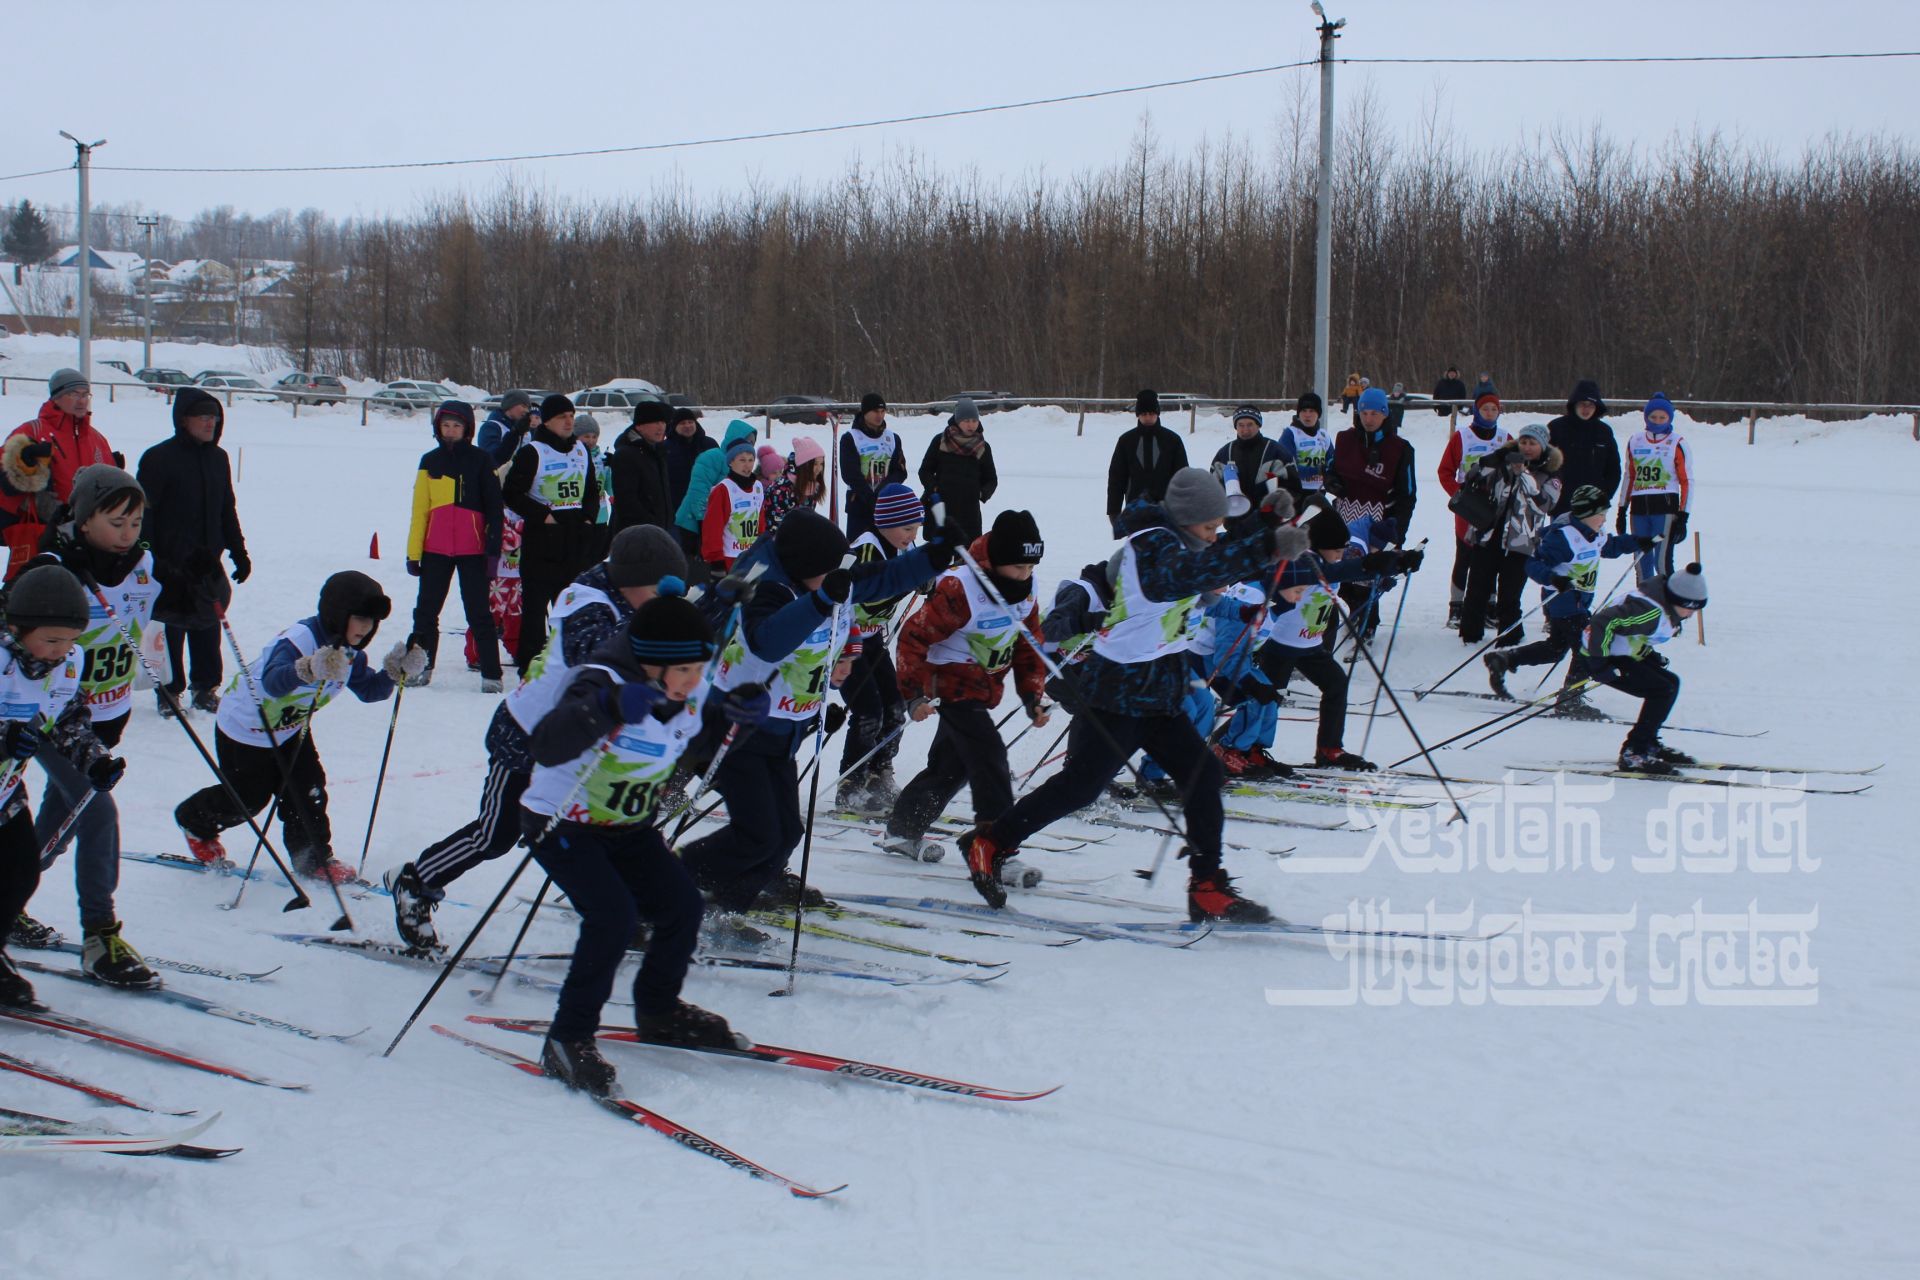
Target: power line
x=1678 y=57
x=37 y=173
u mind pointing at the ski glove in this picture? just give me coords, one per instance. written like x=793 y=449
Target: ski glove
x=1258 y=691
x=1620 y=519
x=836 y=717
x=105 y=772
x=1648 y=544
x=634 y=700
x=329 y=664
x=38 y=451
x=1410 y=561
x=835 y=589
x=404 y=661
x=1225 y=690
x=22 y=739
x=242 y=565
x=734 y=588
x=1561 y=582
x=1677 y=528
x=747 y=705
x=1277 y=507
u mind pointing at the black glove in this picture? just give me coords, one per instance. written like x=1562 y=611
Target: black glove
x=746 y=706
x=243 y=565
x=836 y=588
x=1250 y=612
x=633 y=701
x=1258 y=691
x=1410 y=561
x=1620 y=520
x=39 y=451
x=413 y=571
x=1561 y=582
x=105 y=772
x=1225 y=690
x=1677 y=528
x=22 y=740
x=836 y=717
x=1646 y=543
x=1379 y=562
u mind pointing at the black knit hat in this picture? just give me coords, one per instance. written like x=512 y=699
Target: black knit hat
x=808 y=544
x=351 y=594
x=1327 y=531
x=1015 y=539
x=682 y=413
x=1147 y=401
x=47 y=596
x=99 y=485
x=1309 y=400
x=553 y=406
x=643 y=555
x=871 y=401
x=650 y=411
x=668 y=630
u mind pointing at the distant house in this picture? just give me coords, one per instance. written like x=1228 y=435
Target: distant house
x=68 y=256
x=204 y=273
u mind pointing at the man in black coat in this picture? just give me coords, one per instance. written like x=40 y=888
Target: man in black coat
x=1144 y=459
x=686 y=440
x=1590 y=453
x=555 y=489
x=1451 y=387
x=641 y=483
x=190 y=520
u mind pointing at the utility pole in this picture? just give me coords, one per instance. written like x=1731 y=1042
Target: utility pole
x=149 y=221
x=83 y=161
x=1323 y=220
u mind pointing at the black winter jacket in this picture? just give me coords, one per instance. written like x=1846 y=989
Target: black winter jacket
x=641 y=482
x=1144 y=460
x=190 y=507
x=566 y=547
x=1589 y=448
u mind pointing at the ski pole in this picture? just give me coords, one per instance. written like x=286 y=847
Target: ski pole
x=1518 y=709
x=1544 y=707
x=813 y=799
x=50 y=850
x=447 y=972
x=1393 y=634
x=380 y=780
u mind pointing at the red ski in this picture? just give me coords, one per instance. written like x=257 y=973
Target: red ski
x=10 y=1063
x=122 y=1040
x=655 y=1121
x=773 y=1054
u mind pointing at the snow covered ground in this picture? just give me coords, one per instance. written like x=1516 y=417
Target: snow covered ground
x=1723 y=1097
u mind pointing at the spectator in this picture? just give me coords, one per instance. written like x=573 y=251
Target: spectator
x=1246 y=467
x=1372 y=471
x=685 y=442
x=1144 y=459
x=1587 y=444
x=456 y=526
x=586 y=429
x=692 y=509
x=191 y=518
x=641 y=470
x=1480 y=435
x=1523 y=479
x=501 y=434
x=802 y=482
x=1397 y=407
x=39 y=461
x=1351 y=392
x=958 y=466
x=552 y=485
x=1450 y=387
x=871 y=457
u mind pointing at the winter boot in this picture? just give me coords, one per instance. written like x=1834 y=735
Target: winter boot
x=1340 y=758
x=1635 y=761
x=984 y=859
x=167 y=711
x=578 y=1064
x=28 y=932
x=852 y=797
x=15 y=991
x=107 y=958
x=882 y=790
x=1211 y=896
x=1498 y=665
x=919 y=849
x=690 y=1025
x=1265 y=766
x=788 y=891
x=420 y=681
x=322 y=866
x=208 y=852
x=1672 y=755
x=413 y=904
x=206 y=700
x=491 y=685
x=1453 y=616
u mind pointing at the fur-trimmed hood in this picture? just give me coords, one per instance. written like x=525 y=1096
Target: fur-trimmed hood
x=1550 y=462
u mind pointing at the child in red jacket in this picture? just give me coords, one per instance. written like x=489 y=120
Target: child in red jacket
x=733 y=520
x=956 y=650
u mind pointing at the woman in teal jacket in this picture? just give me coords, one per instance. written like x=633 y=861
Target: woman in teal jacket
x=708 y=468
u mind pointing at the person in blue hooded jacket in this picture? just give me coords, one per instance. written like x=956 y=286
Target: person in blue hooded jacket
x=709 y=467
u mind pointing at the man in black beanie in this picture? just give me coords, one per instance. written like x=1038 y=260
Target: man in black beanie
x=1144 y=460
x=552 y=485
x=871 y=458
x=639 y=464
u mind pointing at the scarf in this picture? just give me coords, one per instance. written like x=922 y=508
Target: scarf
x=966 y=446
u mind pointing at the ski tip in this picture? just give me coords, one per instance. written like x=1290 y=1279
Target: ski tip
x=799 y=1192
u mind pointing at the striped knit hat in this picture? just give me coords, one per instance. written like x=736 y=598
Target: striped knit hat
x=895 y=506
x=668 y=629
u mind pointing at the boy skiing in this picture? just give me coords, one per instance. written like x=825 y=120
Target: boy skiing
x=1620 y=654
x=263 y=735
x=875 y=710
x=602 y=754
x=1657 y=493
x=955 y=651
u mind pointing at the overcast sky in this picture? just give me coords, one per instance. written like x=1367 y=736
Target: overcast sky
x=204 y=82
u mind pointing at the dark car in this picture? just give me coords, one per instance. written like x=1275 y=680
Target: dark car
x=163 y=377
x=984 y=401
x=121 y=365
x=803 y=416
x=534 y=394
x=311 y=388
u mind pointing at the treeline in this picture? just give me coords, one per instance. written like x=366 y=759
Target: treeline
x=1708 y=269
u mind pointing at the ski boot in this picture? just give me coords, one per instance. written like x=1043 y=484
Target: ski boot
x=919 y=849
x=1018 y=874
x=106 y=957
x=208 y=852
x=492 y=685
x=1632 y=761
x=787 y=892
x=1234 y=761
x=30 y=933
x=1211 y=896
x=1340 y=758
x=1265 y=766
x=413 y=904
x=206 y=700
x=322 y=867
x=420 y=681
x=15 y=991
x=167 y=706
x=1672 y=755
x=852 y=797
x=726 y=930
x=1497 y=667
x=689 y=1025
x=984 y=860
x=578 y=1065
x=1574 y=706
x=1453 y=616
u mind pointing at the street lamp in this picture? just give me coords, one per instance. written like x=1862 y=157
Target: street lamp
x=149 y=221
x=84 y=162
x=1323 y=219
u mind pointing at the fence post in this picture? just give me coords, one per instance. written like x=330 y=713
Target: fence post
x=1453 y=417
x=1193 y=416
x=110 y=393
x=363 y=411
x=1081 y=428
x=296 y=406
x=1753 y=416
x=1916 y=424
x=229 y=397
x=766 y=427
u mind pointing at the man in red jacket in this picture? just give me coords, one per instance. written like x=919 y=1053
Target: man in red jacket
x=39 y=460
x=956 y=650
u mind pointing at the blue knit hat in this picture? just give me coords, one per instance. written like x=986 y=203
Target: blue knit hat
x=739 y=447
x=1373 y=400
x=895 y=507
x=1659 y=401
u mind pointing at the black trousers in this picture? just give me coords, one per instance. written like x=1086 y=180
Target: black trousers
x=1648 y=680
x=436 y=576
x=1494 y=577
x=967 y=751
x=1098 y=745
x=19 y=867
x=1462 y=553
x=203 y=645
x=257 y=775
x=492 y=833
x=1563 y=635
x=874 y=710
x=761 y=787
x=615 y=877
x=537 y=594
x=1278 y=662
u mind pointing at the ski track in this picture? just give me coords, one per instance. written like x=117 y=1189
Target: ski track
x=1198 y=1122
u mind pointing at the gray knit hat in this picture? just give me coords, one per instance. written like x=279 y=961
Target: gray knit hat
x=47 y=596
x=515 y=400
x=642 y=555
x=65 y=380
x=1686 y=587
x=585 y=424
x=1194 y=496
x=964 y=408
x=1538 y=430
x=94 y=484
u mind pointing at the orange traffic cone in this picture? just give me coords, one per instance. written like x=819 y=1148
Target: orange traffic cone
x=373 y=549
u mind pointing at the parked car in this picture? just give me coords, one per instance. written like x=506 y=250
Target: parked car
x=163 y=378
x=405 y=396
x=1179 y=401
x=620 y=394
x=236 y=386
x=985 y=401
x=812 y=417
x=121 y=365
x=437 y=390
x=310 y=388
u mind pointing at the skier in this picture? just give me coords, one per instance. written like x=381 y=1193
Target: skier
x=1240 y=627
x=1620 y=654
x=875 y=709
x=40 y=704
x=1248 y=467
x=955 y=651
x=790 y=634
x=100 y=545
x=1135 y=681
x=1658 y=491
x=1145 y=458
x=602 y=753
x=708 y=466
x=263 y=736
x=732 y=521
x=871 y=455
x=1567 y=562
x=1478 y=436
x=552 y=484
x=1306 y=446
x=587 y=614
x=1521 y=480
x=456 y=527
